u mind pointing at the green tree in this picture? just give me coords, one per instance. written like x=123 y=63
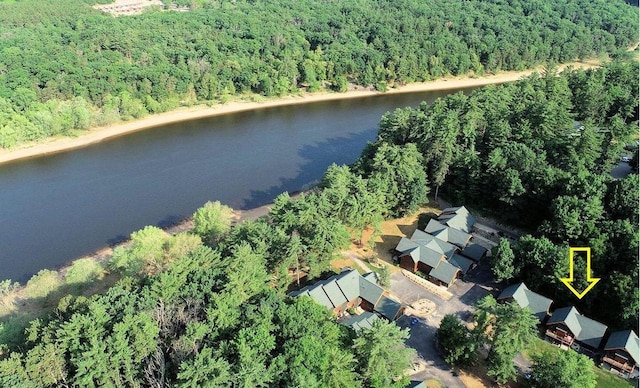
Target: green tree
x=212 y=221
x=509 y=329
x=205 y=369
x=621 y=201
x=503 y=261
x=562 y=369
x=382 y=355
x=456 y=341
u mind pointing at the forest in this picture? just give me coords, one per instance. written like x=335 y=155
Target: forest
x=537 y=154
x=209 y=306
x=190 y=314
x=69 y=67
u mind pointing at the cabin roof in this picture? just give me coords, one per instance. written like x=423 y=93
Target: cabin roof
x=474 y=251
x=626 y=340
x=359 y=322
x=349 y=284
x=538 y=304
x=586 y=330
x=461 y=262
x=388 y=307
x=334 y=293
x=457 y=218
x=445 y=272
x=446 y=233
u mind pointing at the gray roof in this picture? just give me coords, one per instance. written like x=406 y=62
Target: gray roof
x=317 y=293
x=457 y=218
x=474 y=251
x=586 y=330
x=370 y=292
x=433 y=243
x=371 y=276
x=445 y=272
x=359 y=322
x=405 y=244
x=348 y=286
x=334 y=293
x=388 y=307
x=626 y=340
x=417 y=384
x=461 y=262
x=538 y=304
x=445 y=233
x=419 y=253
x=349 y=283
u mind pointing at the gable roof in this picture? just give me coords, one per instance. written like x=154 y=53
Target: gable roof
x=461 y=262
x=334 y=293
x=388 y=307
x=433 y=243
x=419 y=253
x=457 y=218
x=359 y=322
x=586 y=330
x=626 y=340
x=317 y=293
x=474 y=251
x=369 y=291
x=445 y=233
x=445 y=272
x=349 y=284
x=372 y=277
x=538 y=304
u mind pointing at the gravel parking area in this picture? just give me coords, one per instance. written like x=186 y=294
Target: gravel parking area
x=422 y=334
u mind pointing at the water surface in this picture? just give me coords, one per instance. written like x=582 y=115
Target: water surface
x=56 y=208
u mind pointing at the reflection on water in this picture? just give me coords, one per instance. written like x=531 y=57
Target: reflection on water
x=57 y=208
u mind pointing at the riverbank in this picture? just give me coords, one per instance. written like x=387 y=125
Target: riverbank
x=16 y=304
x=98 y=134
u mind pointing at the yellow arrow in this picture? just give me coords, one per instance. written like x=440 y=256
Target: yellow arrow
x=567 y=281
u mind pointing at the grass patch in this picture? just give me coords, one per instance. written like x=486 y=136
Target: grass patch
x=607 y=379
x=537 y=347
x=433 y=383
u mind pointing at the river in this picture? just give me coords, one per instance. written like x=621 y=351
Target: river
x=56 y=208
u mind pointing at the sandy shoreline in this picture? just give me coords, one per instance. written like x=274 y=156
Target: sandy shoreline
x=96 y=135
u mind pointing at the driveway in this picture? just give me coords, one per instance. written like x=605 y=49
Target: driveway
x=465 y=295
x=422 y=339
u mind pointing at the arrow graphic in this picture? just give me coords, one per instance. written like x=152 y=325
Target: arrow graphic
x=568 y=281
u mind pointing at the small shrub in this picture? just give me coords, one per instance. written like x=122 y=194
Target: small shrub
x=7 y=287
x=42 y=284
x=84 y=271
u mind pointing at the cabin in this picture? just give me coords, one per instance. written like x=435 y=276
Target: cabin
x=621 y=353
x=436 y=258
x=359 y=322
x=457 y=218
x=525 y=298
x=349 y=290
x=567 y=328
x=448 y=234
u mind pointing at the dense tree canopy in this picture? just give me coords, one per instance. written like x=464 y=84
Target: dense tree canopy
x=68 y=66
x=566 y=369
x=537 y=153
x=204 y=319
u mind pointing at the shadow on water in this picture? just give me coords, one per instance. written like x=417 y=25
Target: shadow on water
x=310 y=172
